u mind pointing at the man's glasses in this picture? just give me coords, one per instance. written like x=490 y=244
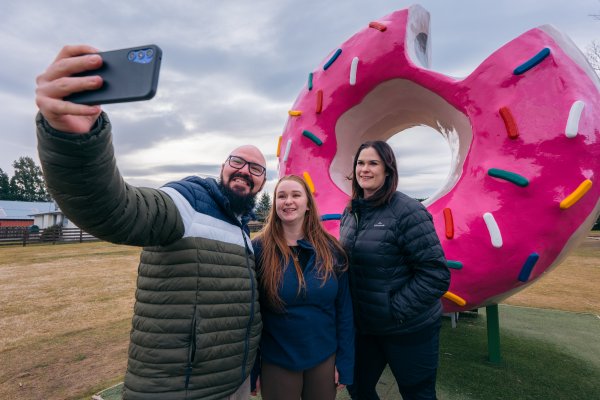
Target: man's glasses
x=238 y=163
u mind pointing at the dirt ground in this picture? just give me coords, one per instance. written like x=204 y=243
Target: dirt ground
x=65 y=313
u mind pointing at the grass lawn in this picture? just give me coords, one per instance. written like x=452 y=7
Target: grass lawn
x=65 y=316
x=546 y=354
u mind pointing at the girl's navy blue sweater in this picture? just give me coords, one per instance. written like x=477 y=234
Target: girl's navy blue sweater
x=316 y=322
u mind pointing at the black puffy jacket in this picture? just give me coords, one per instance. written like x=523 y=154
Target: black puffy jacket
x=398 y=270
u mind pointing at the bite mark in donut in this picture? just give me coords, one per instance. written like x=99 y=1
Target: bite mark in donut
x=524 y=131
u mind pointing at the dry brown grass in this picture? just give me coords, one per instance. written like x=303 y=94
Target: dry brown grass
x=65 y=313
x=572 y=286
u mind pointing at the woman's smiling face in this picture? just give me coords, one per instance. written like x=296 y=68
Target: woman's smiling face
x=291 y=202
x=370 y=171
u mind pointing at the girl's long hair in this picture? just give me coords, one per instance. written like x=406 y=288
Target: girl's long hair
x=276 y=253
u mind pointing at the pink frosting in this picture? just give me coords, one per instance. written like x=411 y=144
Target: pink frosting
x=529 y=218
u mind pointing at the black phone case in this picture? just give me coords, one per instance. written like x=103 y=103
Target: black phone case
x=124 y=78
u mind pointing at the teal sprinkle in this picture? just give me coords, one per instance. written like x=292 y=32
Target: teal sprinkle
x=310 y=76
x=312 y=137
x=332 y=59
x=455 y=264
x=508 y=176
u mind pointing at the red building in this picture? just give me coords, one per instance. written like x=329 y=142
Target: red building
x=21 y=213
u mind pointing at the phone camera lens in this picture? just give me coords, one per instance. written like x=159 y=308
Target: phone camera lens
x=140 y=55
x=149 y=53
x=131 y=56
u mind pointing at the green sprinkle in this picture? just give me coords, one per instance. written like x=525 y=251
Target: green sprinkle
x=508 y=176
x=455 y=264
x=312 y=137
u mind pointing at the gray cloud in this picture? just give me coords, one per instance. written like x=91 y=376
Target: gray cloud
x=231 y=70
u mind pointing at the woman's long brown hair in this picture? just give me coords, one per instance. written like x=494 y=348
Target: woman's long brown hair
x=276 y=253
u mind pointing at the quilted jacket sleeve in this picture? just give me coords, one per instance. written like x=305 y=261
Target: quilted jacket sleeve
x=424 y=255
x=82 y=176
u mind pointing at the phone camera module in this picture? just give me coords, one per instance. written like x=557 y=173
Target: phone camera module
x=141 y=56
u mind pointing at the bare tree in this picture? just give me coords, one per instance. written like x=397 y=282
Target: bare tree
x=593 y=49
x=593 y=55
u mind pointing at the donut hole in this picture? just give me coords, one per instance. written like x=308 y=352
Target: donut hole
x=423 y=158
x=394 y=107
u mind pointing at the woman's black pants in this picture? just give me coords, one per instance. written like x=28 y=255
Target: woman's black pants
x=413 y=359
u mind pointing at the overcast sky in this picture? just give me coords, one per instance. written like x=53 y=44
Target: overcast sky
x=232 y=69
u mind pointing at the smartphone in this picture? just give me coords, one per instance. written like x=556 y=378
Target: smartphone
x=128 y=74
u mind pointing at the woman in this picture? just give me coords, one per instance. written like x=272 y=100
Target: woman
x=398 y=273
x=308 y=330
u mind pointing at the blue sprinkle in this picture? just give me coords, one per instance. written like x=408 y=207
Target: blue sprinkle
x=330 y=217
x=528 y=267
x=535 y=60
x=332 y=59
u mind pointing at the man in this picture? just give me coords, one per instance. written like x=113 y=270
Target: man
x=196 y=323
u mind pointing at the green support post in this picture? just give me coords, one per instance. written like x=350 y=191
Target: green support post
x=493 y=333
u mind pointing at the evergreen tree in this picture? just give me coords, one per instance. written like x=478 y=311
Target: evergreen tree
x=28 y=184
x=5 y=193
x=263 y=207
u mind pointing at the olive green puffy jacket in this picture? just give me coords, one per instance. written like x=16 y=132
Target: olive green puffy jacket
x=196 y=323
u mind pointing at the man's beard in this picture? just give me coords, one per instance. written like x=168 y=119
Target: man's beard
x=238 y=203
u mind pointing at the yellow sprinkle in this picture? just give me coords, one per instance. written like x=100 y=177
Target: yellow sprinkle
x=279 y=146
x=455 y=299
x=576 y=195
x=309 y=181
x=295 y=113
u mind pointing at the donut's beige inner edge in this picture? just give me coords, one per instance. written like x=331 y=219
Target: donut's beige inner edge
x=389 y=109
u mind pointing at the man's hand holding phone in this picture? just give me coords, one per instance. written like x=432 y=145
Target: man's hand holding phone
x=58 y=82
x=69 y=92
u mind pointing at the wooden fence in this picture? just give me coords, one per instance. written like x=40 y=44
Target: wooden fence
x=53 y=235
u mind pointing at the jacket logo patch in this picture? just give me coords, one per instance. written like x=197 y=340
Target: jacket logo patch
x=378 y=225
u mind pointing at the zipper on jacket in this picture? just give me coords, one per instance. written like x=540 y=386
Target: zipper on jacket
x=191 y=352
x=251 y=319
x=350 y=256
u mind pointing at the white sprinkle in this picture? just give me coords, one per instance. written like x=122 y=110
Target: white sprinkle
x=353 y=68
x=287 y=150
x=492 y=226
x=573 y=121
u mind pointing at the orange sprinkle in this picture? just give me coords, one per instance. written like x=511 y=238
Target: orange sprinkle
x=279 y=145
x=455 y=299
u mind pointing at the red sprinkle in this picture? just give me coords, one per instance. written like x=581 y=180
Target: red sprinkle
x=319 y=101
x=377 y=25
x=509 y=122
x=449 y=222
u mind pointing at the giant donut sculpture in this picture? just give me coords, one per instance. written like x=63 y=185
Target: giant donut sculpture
x=524 y=130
